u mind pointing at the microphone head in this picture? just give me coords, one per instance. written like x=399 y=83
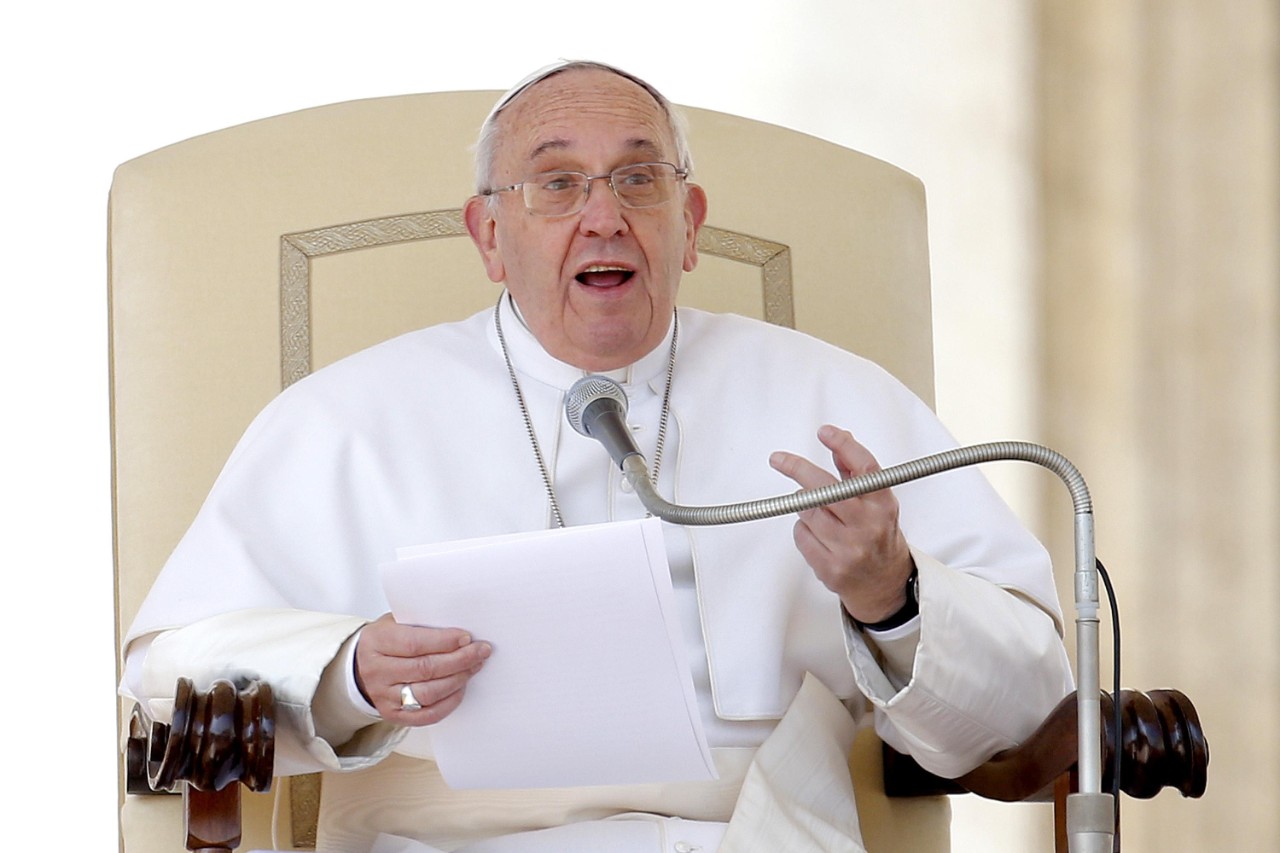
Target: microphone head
x=600 y=390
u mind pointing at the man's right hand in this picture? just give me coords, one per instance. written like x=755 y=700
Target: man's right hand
x=436 y=663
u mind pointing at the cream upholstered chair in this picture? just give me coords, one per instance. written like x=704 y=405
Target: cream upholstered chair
x=243 y=259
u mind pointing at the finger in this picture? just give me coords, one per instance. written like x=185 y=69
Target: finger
x=383 y=661
x=437 y=698
x=809 y=476
x=411 y=641
x=429 y=693
x=813 y=547
x=402 y=647
x=437 y=666
x=850 y=457
x=804 y=472
x=437 y=712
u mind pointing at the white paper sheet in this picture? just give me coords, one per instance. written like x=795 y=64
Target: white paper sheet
x=587 y=684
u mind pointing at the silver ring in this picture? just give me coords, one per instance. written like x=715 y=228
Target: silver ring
x=408 y=702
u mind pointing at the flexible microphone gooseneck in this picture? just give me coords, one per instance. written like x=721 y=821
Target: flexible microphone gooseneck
x=596 y=407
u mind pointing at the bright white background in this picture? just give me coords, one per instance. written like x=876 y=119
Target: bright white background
x=940 y=89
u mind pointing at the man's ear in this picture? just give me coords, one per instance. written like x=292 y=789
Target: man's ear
x=695 y=214
x=483 y=230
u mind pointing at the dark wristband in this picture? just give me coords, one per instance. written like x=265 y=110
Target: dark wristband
x=908 y=611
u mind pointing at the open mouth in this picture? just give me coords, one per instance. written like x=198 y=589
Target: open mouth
x=600 y=275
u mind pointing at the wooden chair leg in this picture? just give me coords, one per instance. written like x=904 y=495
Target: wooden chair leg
x=211 y=819
x=1061 y=788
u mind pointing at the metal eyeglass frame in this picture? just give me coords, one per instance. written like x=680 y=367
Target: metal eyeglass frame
x=677 y=173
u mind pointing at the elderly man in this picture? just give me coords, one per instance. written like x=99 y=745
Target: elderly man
x=929 y=603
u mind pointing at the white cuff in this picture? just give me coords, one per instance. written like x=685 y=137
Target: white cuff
x=358 y=702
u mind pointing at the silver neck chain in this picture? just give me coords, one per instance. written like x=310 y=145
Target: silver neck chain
x=528 y=420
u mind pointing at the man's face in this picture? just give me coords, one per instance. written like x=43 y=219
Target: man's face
x=597 y=288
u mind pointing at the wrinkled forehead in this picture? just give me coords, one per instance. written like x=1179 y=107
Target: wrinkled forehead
x=581 y=112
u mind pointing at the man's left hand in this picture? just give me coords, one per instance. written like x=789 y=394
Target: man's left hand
x=854 y=547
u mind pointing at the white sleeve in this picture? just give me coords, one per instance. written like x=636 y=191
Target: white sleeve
x=894 y=648
x=987 y=670
x=297 y=652
x=339 y=709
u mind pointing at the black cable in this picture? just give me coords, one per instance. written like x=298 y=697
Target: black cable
x=1115 y=699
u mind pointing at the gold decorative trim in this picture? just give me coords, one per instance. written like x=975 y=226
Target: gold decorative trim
x=773 y=259
x=304 y=809
x=297 y=250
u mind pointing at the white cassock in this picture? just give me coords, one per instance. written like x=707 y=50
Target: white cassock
x=420 y=440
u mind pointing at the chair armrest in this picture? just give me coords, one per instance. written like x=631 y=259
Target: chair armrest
x=1161 y=740
x=218 y=739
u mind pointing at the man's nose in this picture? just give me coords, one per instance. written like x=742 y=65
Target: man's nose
x=602 y=212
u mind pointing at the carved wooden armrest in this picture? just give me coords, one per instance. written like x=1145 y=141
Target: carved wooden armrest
x=1161 y=745
x=218 y=739
x=225 y=736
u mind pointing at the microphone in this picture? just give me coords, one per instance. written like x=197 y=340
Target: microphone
x=595 y=406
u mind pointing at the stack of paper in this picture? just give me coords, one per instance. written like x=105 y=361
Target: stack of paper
x=588 y=683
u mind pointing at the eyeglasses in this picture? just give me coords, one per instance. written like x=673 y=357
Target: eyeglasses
x=563 y=193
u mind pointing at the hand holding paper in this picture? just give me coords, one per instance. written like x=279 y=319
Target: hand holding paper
x=587 y=683
x=435 y=663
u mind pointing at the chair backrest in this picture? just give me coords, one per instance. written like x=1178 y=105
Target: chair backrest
x=242 y=259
